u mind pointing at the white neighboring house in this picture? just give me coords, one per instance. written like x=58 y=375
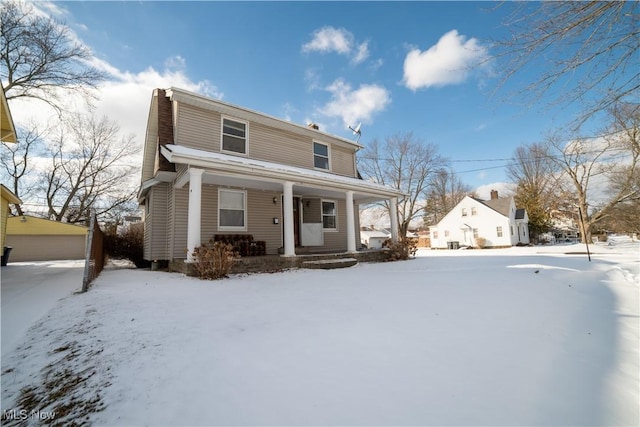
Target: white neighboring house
x=497 y=220
x=373 y=239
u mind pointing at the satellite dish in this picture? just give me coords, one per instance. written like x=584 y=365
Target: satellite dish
x=356 y=131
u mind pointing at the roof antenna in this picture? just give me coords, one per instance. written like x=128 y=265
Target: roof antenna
x=356 y=131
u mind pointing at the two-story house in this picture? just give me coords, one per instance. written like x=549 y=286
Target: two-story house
x=496 y=220
x=213 y=168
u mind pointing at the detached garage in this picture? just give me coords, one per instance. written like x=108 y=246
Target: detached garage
x=38 y=239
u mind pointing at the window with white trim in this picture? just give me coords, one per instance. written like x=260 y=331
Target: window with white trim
x=329 y=215
x=234 y=136
x=232 y=210
x=474 y=211
x=464 y=211
x=475 y=233
x=435 y=234
x=499 y=231
x=320 y=156
x=446 y=233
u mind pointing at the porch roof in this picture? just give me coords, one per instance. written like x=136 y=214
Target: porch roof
x=225 y=169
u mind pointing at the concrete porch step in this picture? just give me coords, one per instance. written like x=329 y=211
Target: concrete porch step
x=328 y=264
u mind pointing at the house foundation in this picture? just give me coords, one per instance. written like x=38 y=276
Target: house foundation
x=274 y=263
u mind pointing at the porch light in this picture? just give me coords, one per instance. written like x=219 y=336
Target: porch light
x=275 y=200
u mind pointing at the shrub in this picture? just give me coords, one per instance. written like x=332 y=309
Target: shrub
x=214 y=260
x=129 y=244
x=481 y=242
x=401 y=249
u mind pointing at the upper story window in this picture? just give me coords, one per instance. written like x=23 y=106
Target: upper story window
x=329 y=215
x=499 y=231
x=474 y=211
x=464 y=211
x=320 y=156
x=234 y=136
x=232 y=210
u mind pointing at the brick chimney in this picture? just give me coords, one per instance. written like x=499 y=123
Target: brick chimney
x=313 y=126
x=494 y=194
x=165 y=130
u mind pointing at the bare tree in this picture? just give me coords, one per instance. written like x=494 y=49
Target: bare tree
x=407 y=164
x=608 y=163
x=16 y=161
x=38 y=56
x=589 y=51
x=446 y=191
x=532 y=170
x=89 y=170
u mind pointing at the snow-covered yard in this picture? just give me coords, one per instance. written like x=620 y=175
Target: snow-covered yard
x=521 y=336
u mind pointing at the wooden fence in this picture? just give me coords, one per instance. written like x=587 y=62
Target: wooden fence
x=94 y=259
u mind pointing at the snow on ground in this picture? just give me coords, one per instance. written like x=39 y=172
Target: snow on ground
x=30 y=290
x=520 y=336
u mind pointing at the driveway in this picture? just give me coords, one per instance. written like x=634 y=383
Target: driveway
x=30 y=290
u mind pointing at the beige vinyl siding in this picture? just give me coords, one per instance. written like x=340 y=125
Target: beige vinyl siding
x=201 y=129
x=260 y=214
x=209 y=214
x=279 y=146
x=342 y=161
x=155 y=246
x=180 y=212
x=198 y=128
x=337 y=240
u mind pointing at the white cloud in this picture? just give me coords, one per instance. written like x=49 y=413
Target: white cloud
x=361 y=53
x=450 y=61
x=355 y=105
x=175 y=63
x=329 y=39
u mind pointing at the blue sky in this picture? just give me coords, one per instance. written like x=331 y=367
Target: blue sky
x=424 y=67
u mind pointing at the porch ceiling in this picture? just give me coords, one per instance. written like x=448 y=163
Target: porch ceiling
x=232 y=171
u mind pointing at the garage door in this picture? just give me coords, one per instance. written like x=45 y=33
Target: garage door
x=45 y=248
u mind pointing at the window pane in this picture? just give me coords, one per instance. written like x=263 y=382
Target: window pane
x=328 y=208
x=232 y=143
x=231 y=218
x=231 y=200
x=329 y=221
x=320 y=149
x=231 y=127
x=320 y=162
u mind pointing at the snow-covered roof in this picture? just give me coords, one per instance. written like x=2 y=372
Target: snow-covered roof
x=230 y=163
x=374 y=233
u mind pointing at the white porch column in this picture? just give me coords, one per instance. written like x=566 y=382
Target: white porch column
x=287 y=207
x=394 y=219
x=351 y=228
x=195 y=211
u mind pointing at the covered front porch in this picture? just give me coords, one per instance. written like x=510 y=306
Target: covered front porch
x=307 y=211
